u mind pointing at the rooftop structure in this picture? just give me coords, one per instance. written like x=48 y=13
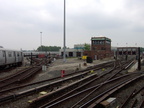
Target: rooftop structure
x=79 y=46
x=100 y=43
x=101 y=38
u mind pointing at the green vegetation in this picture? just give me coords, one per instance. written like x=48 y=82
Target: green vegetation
x=87 y=47
x=141 y=49
x=48 y=48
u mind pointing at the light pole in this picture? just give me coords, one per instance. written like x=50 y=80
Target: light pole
x=41 y=40
x=64 y=54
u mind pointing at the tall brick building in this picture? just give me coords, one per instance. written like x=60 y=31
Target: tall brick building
x=100 y=48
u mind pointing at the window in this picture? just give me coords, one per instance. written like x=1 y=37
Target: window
x=10 y=54
x=101 y=42
x=3 y=54
x=103 y=48
x=17 y=54
x=0 y=52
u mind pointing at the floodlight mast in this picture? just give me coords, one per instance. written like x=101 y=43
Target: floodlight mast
x=64 y=51
x=41 y=39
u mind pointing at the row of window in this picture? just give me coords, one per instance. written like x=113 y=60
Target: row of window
x=102 y=48
x=99 y=42
x=127 y=53
x=10 y=54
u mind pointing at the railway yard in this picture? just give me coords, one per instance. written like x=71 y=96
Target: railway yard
x=51 y=83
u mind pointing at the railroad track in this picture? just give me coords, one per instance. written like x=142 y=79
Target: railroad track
x=81 y=73
x=131 y=96
x=19 y=76
x=84 y=98
x=22 y=75
x=56 y=83
x=102 y=77
x=7 y=69
x=84 y=85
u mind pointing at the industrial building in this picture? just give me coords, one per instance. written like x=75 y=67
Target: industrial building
x=100 y=48
x=77 y=51
x=127 y=50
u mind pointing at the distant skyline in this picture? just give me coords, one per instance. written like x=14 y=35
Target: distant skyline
x=21 y=22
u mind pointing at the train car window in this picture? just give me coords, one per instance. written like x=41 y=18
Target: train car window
x=17 y=54
x=0 y=52
x=3 y=54
x=13 y=54
x=9 y=54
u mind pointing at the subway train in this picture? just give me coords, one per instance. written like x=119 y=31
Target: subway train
x=38 y=54
x=10 y=57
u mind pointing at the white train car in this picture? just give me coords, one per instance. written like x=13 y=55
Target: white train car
x=10 y=57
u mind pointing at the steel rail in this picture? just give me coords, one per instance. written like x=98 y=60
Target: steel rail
x=133 y=103
x=62 y=99
x=93 y=79
x=27 y=75
x=96 y=67
x=36 y=89
x=100 y=86
x=76 y=89
x=36 y=101
x=15 y=95
x=11 y=76
x=141 y=104
x=131 y=96
x=91 y=104
x=9 y=80
x=18 y=77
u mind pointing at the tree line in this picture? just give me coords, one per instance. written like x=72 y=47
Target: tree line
x=48 y=48
x=57 y=48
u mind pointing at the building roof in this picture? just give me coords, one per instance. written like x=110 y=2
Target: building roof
x=101 y=38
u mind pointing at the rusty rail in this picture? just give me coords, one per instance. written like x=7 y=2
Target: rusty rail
x=82 y=73
x=36 y=101
x=92 y=105
x=49 y=85
x=131 y=96
x=18 y=76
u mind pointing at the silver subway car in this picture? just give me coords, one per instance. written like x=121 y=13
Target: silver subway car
x=10 y=57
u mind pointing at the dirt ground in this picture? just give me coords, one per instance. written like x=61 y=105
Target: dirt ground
x=71 y=65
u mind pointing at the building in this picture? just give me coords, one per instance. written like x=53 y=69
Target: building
x=127 y=50
x=100 y=48
x=77 y=51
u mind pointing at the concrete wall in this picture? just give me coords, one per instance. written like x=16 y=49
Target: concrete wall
x=72 y=52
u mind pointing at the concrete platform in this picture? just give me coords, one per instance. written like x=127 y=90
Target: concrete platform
x=134 y=67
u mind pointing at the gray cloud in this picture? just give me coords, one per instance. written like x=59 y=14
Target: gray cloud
x=98 y=21
x=22 y=21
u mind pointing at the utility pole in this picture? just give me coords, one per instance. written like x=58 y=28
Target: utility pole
x=139 y=59
x=41 y=40
x=64 y=54
x=31 y=62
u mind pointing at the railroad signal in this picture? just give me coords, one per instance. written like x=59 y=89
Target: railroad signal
x=62 y=73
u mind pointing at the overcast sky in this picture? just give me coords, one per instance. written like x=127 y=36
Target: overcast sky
x=21 y=22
